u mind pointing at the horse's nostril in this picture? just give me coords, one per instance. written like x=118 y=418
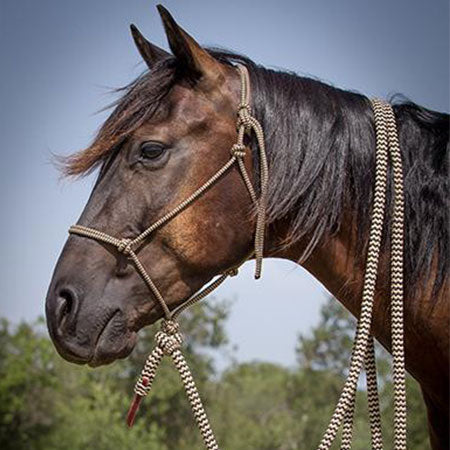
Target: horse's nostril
x=66 y=307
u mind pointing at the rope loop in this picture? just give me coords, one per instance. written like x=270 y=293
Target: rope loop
x=124 y=246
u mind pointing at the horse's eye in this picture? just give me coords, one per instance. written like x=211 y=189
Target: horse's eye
x=152 y=150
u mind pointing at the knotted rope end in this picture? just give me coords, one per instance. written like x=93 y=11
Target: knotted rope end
x=135 y=404
x=258 y=271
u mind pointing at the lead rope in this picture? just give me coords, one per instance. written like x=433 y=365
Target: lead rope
x=169 y=338
x=363 y=347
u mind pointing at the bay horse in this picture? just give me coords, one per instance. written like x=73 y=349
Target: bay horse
x=173 y=128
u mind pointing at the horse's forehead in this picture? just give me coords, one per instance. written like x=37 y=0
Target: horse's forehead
x=189 y=105
x=192 y=105
x=185 y=110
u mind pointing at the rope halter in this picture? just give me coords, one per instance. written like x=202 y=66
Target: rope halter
x=169 y=339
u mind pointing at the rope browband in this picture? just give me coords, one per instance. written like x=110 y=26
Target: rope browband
x=169 y=338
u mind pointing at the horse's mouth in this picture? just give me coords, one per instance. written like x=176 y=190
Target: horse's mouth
x=115 y=341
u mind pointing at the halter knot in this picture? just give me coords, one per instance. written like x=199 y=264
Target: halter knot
x=170 y=326
x=238 y=150
x=244 y=107
x=244 y=116
x=168 y=343
x=124 y=246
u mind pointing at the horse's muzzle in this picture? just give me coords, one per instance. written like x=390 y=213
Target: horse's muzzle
x=95 y=338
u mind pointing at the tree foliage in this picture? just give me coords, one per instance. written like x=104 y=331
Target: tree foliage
x=47 y=403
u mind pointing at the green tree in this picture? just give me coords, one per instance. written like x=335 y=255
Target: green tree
x=47 y=403
x=27 y=381
x=252 y=408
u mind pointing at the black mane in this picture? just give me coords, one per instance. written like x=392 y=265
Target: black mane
x=321 y=148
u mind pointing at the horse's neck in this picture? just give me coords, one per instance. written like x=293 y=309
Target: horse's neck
x=334 y=261
x=335 y=265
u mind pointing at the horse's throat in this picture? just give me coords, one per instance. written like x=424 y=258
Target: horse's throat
x=335 y=265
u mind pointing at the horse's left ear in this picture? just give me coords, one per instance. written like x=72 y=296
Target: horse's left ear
x=150 y=53
x=194 y=62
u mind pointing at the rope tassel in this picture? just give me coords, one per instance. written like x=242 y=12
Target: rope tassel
x=144 y=383
x=168 y=342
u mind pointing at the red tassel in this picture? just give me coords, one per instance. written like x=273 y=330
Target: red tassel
x=134 y=407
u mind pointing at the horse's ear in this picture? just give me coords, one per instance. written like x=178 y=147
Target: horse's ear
x=193 y=60
x=150 y=53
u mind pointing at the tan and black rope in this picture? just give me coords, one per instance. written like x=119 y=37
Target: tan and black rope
x=363 y=349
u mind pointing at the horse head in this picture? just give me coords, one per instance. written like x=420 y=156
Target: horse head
x=167 y=135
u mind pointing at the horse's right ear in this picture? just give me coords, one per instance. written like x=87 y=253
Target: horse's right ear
x=150 y=53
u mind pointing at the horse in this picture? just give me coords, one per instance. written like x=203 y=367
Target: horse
x=173 y=128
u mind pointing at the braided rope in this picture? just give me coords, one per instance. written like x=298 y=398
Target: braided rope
x=386 y=142
x=194 y=399
x=363 y=328
x=168 y=342
x=372 y=397
x=185 y=203
x=247 y=122
x=373 y=402
x=204 y=292
x=397 y=237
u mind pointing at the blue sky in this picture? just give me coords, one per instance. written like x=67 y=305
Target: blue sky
x=59 y=58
